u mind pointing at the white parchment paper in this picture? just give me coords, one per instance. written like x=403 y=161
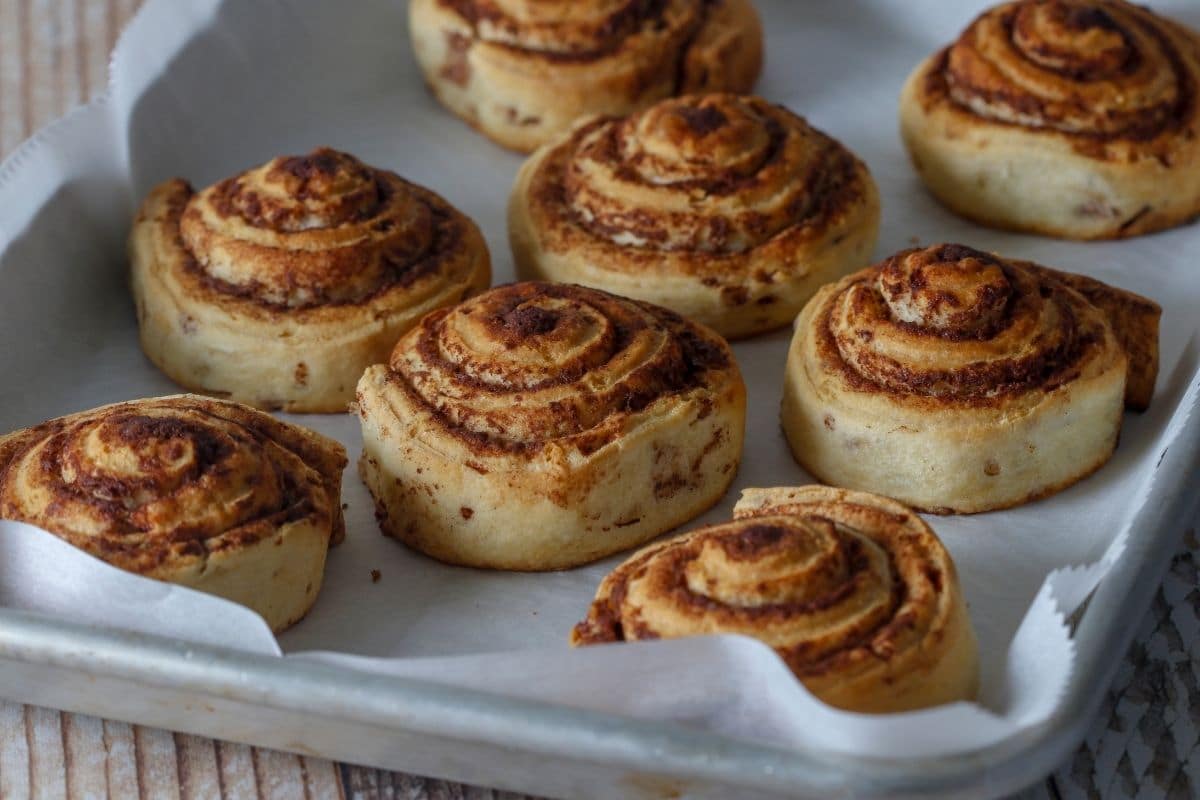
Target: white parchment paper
x=212 y=88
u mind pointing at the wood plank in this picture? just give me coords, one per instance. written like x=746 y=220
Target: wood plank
x=280 y=776
x=121 y=760
x=322 y=778
x=237 y=770
x=47 y=755
x=14 y=751
x=87 y=774
x=12 y=77
x=196 y=761
x=157 y=765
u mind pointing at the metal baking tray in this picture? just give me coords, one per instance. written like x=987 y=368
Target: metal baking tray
x=342 y=713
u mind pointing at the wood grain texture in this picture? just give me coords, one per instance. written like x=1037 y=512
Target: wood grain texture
x=1145 y=742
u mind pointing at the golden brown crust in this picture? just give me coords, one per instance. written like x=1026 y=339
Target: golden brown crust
x=1075 y=118
x=730 y=210
x=522 y=72
x=854 y=591
x=951 y=325
x=567 y=422
x=1102 y=70
x=958 y=381
x=319 y=231
x=581 y=32
x=532 y=363
x=1135 y=321
x=310 y=261
x=148 y=482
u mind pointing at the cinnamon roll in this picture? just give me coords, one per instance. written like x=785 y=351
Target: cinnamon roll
x=1071 y=118
x=522 y=71
x=854 y=591
x=540 y=426
x=205 y=493
x=958 y=381
x=277 y=287
x=729 y=210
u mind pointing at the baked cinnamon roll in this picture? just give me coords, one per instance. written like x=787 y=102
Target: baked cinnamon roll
x=540 y=426
x=854 y=591
x=522 y=71
x=729 y=210
x=958 y=381
x=277 y=287
x=204 y=493
x=1071 y=118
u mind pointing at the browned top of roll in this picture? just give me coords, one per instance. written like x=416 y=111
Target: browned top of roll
x=145 y=483
x=527 y=364
x=304 y=232
x=1135 y=321
x=716 y=174
x=1097 y=69
x=954 y=324
x=836 y=582
x=584 y=30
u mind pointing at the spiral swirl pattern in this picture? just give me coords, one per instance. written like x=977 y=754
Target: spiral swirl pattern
x=716 y=174
x=541 y=426
x=278 y=286
x=1070 y=118
x=958 y=324
x=139 y=483
x=322 y=229
x=532 y=363
x=1093 y=67
x=975 y=382
x=174 y=487
x=728 y=209
x=583 y=31
x=491 y=60
x=854 y=592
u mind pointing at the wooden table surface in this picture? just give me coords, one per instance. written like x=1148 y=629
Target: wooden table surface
x=1144 y=743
